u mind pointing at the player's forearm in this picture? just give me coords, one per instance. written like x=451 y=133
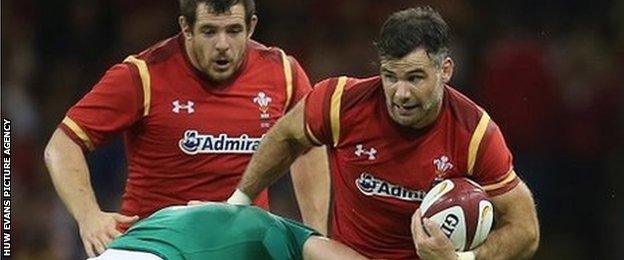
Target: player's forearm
x=70 y=175
x=516 y=234
x=275 y=154
x=310 y=176
x=509 y=242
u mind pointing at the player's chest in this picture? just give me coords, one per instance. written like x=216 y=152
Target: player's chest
x=379 y=164
x=203 y=119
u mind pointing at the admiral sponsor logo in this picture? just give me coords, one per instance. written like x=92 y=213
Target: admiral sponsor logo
x=193 y=143
x=371 y=186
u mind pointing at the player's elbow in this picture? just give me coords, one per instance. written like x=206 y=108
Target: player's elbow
x=52 y=155
x=534 y=242
x=50 y=152
x=532 y=239
x=58 y=148
x=283 y=134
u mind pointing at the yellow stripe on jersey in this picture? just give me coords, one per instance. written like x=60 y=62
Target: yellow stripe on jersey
x=145 y=81
x=311 y=135
x=511 y=175
x=334 y=109
x=475 y=141
x=289 y=79
x=79 y=132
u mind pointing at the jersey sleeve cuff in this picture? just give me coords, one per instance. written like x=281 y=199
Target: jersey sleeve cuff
x=76 y=134
x=507 y=183
x=311 y=137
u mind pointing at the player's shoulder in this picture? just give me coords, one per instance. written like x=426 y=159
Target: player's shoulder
x=263 y=53
x=349 y=85
x=362 y=84
x=463 y=110
x=161 y=51
x=351 y=90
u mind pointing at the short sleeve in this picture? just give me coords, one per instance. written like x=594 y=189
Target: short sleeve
x=494 y=164
x=113 y=105
x=317 y=112
x=301 y=82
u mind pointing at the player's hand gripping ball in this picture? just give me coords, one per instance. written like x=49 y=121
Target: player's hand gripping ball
x=463 y=211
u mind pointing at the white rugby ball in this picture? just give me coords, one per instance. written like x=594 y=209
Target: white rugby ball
x=463 y=211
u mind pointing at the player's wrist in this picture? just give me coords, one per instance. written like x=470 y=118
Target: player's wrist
x=468 y=255
x=86 y=214
x=239 y=198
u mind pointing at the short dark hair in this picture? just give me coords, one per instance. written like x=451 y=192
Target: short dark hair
x=406 y=30
x=188 y=8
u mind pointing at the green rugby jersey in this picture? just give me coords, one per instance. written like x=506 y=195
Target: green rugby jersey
x=216 y=231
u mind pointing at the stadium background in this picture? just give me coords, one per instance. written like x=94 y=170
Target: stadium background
x=547 y=71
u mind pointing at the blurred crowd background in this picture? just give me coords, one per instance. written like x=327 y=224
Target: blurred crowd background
x=549 y=72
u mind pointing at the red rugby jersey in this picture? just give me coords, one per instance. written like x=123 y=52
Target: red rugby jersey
x=185 y=137
x=381 y=170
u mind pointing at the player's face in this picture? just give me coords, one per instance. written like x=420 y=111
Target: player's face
x=217 y=41
x=414 y=87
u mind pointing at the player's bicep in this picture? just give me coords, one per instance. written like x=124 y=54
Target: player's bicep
x=289 y=127
x=516 y=207
x=61 y=146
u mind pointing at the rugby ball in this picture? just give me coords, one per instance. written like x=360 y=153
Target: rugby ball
x=462 y=209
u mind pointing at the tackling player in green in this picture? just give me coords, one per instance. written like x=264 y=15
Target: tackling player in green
x=222 y=231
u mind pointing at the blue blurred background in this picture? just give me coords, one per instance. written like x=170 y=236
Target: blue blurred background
x=549 y=72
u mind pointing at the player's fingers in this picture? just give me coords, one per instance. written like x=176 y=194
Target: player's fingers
x=432 y=228
x=99 y=245
x=125 y=219
x=422 y=241
x=415 y=218
x=114 y=233
x=109 y=237
x=417 y=229
x=88 y=247
x=105 y=240
x=195 y=202
x=106 y=236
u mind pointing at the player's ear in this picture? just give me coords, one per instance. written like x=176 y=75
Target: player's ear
x=252 y=25
x=185 y=28
x=447 y=69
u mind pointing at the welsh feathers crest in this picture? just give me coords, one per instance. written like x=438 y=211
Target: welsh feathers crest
x=442 y=164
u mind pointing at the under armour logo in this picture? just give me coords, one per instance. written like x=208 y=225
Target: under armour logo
x=359 y=151
x=188 y=106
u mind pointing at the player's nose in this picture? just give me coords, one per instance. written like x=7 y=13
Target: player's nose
x=222 y=43
x=403 y=92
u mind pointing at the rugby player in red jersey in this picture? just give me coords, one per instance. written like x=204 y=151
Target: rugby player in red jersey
x=192 y=109
x=390 y=138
